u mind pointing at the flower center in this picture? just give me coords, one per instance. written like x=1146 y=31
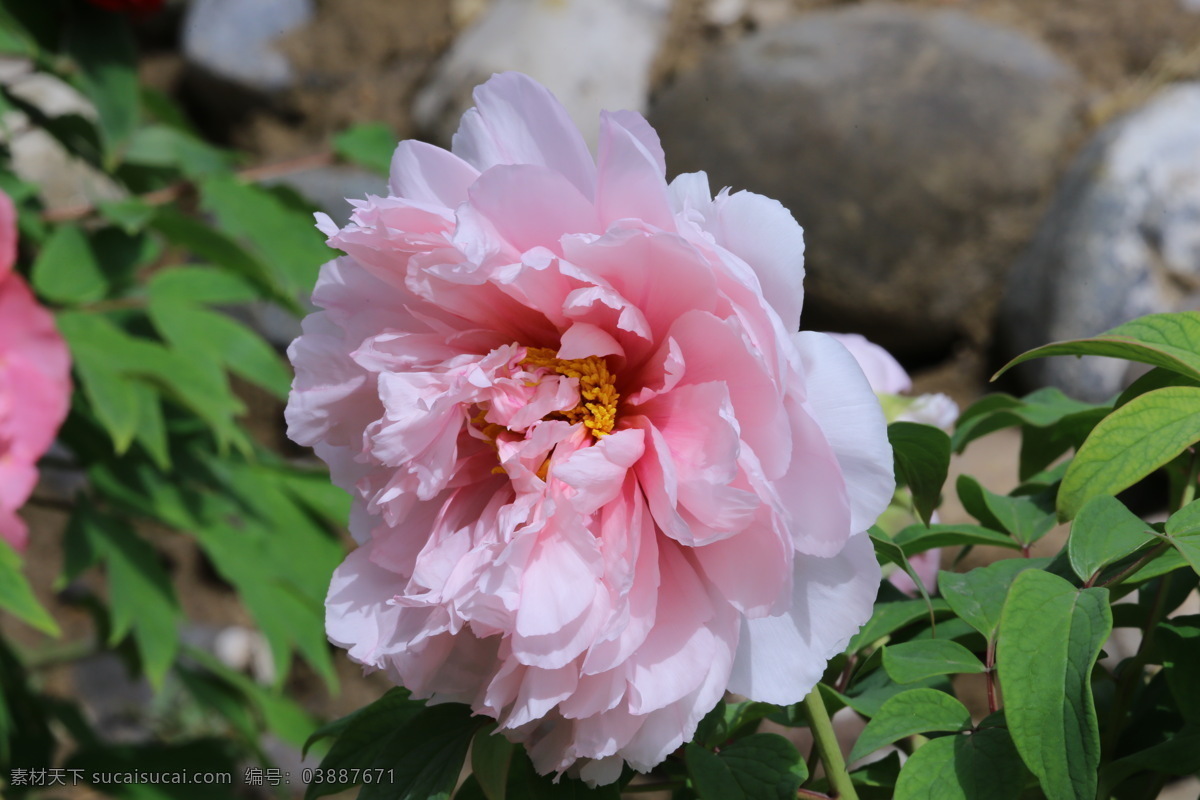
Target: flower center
x=598 y=394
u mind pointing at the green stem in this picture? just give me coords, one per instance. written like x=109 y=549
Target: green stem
x=827 y=746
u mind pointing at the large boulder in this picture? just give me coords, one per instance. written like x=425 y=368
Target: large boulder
x=593 y=55
x=1122 y=239
x=232 y=54
x=910 y=144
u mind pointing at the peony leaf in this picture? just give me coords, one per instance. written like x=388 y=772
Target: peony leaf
x=978 y=596
x=140 y=593
x=888 y=618
x=369 y=145
x=1027 y=517
x=1105 y=531
x=1183 y=531
x=915 y=711
x=1171 y=341
x=1178 y=755
x=491 y=755
x=908 y=662
x=425 y=756
x=1045 y=408
x=17 y=597
x=66 y=270
x=918 y=538
x=200 y=285
x=102 y=44
x=1180 y=645
x=217 y=337
x=922 y=457
x=979 y=766
x=1048 y=640
x=167 y=146
x=279 y=234
x=759 y=766
x=1129 y=444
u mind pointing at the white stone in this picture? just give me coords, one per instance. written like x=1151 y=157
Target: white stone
x=1121 y=240
x=592 y=55
x=234 y=39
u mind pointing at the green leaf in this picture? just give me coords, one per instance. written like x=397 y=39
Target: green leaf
x=112 y=396
x=213 y=336
x=888 y=551
x=1171 y=341
x=1044 y=408
x=168 y=146
x=1105 y=531
x=280 y=235
x=361 y=736
x=131 y=214
x=1129 y=444
x=887 y=618
x=427 y=755
x=978 y=596
x=202 y=285
x=1049 y=638
x=758 y=767
x=908 y=662
x=1178 y=755
x=1157 y=378
x=1180 y=645
x=370 y=145
x=918 y=538
x=980 y=766
x=524 y=783
x=106 y=357
x=66 y=271
x=17 y=597
x=1183 y=532
x=1027 y=517
x=218 y=248
x=491 y=755
x=922 y=455
x=102 y=45
x=151 y=431
x=912 y=712
x=140 y=594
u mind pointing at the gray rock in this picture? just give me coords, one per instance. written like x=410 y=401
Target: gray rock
x=910 y=144
x=1122 y=239
x=232 y=41
x=591 y=55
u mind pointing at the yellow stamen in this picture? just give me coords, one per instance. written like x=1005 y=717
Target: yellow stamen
x=598 y=395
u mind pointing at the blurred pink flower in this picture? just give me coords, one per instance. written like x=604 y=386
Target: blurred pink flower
x=598 y=478
x=35 y=383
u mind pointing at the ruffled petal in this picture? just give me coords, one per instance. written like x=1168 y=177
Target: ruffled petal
x=516 y=120
x=781 y=658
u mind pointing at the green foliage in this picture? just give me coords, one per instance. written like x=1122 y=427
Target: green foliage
x=1048 y=641
x=922 y=455
x=146 y=291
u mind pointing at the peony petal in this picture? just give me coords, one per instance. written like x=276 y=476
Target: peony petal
x=765 y=235
x=582 y=340
x=428 y=174
x=781 y=658
x=842 y=403
x=516 y=120
x=532 y=206
x=597 y=473
x=630 y=180
x=883 y=372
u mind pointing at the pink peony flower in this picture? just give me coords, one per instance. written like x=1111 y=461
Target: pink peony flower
x=35 y=383
x=598 y=478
